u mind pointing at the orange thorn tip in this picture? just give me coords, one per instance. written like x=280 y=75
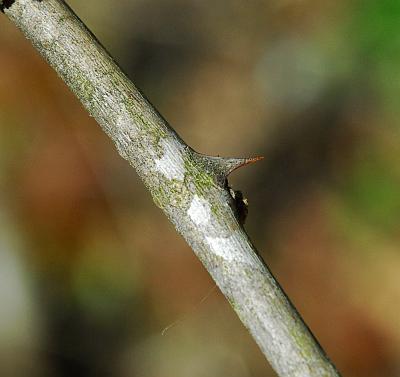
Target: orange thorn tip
x=246 y=161
x=254 y=159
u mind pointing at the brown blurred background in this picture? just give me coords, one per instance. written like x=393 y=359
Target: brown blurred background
x=94 y=281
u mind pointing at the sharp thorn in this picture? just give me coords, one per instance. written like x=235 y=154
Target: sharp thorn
x=221 y=167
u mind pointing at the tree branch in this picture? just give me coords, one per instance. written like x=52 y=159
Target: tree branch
x=189 y=187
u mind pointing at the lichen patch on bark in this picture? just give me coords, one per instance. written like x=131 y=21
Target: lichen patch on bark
x=227 y=248
x=199 y=210
x=171 y=164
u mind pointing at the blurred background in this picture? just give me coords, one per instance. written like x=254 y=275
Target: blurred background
x=94 y=281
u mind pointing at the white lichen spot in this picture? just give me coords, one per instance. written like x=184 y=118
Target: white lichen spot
x=230 y=248
x=222 y=246
x=199 y=211
x=171 y=164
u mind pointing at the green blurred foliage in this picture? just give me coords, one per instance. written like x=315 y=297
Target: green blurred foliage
x=373 y=192
x=374 y=33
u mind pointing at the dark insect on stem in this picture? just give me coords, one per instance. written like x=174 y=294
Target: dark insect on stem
x=241 y=205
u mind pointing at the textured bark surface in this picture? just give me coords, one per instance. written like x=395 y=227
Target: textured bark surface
x=190 y=188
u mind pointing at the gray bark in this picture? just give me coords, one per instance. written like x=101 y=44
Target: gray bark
x=189 y=187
